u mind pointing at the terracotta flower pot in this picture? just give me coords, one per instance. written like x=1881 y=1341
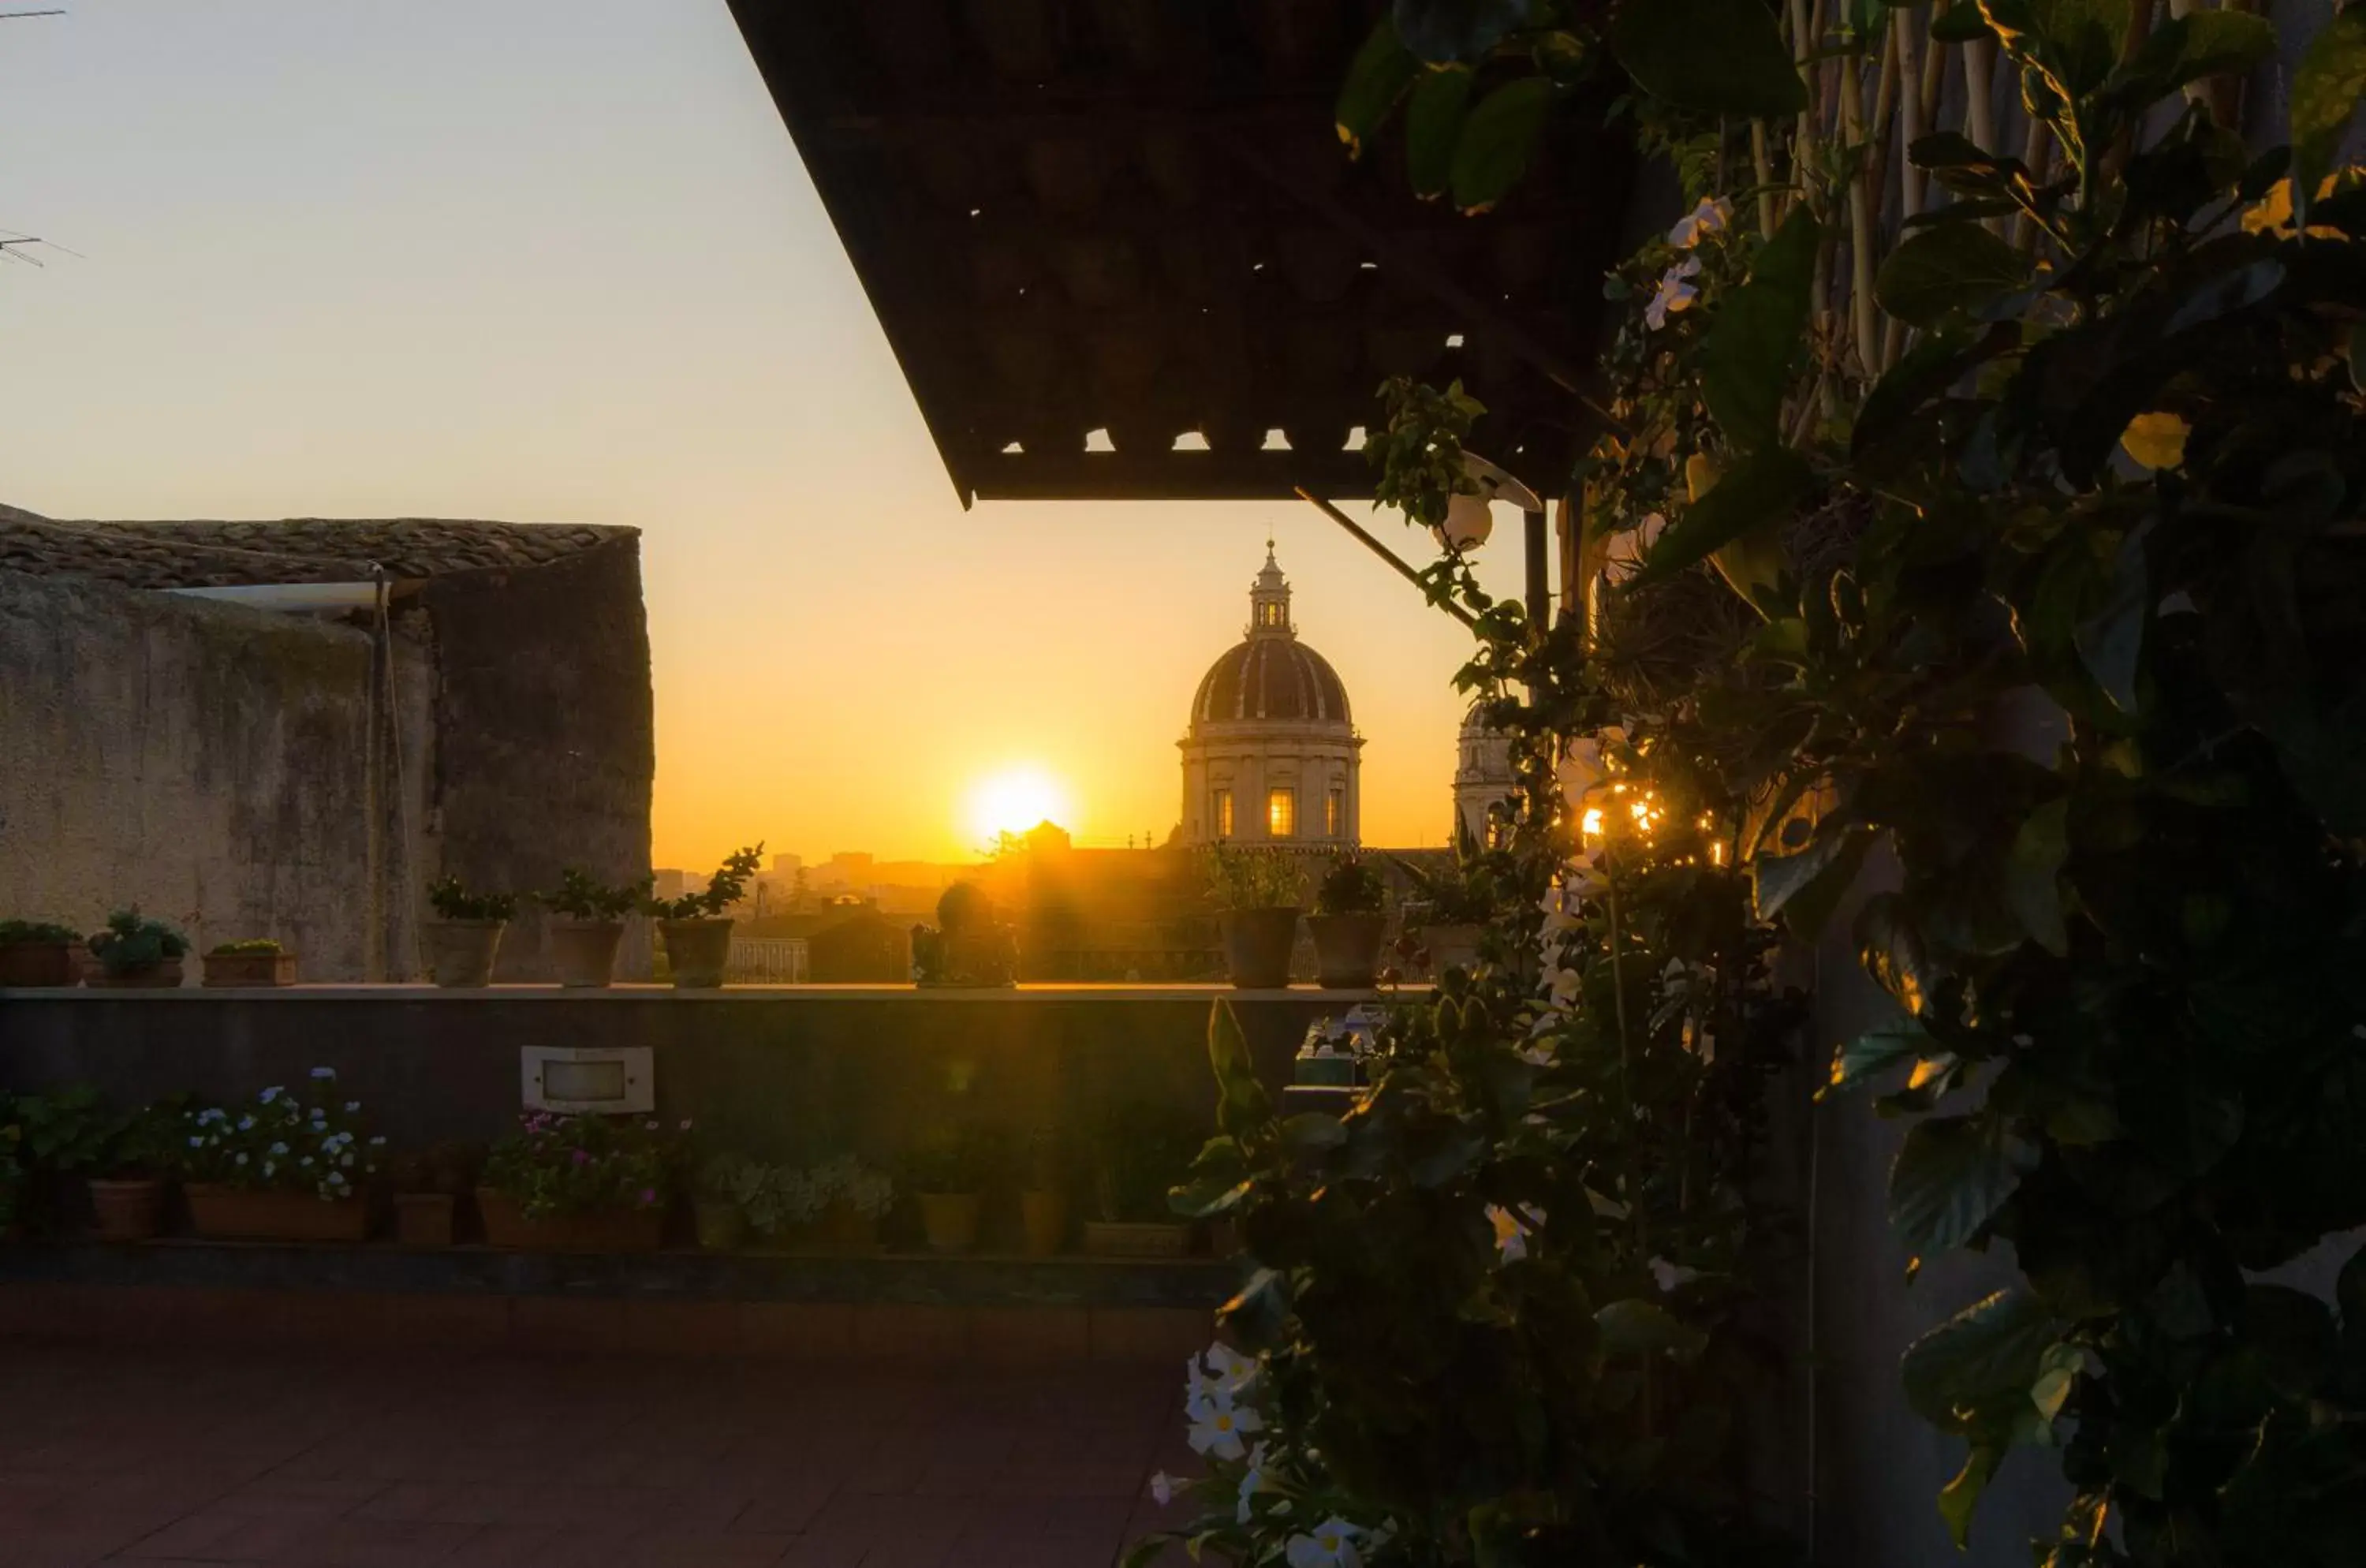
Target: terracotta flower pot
x=460 y=953
x=1452 y=947
x=160 y=977
x=508 y=1225
x=41 y=964
x=585 y=950
x=128 y=1210
x=1348 y=950
x=424 y=1219
x=1046 y=1217
x=722 y=1225
x=697 y=951
x=249 y=971
x=950 y=1220
x=1257 y=947
x=1155 y=1239
x=233 y=1214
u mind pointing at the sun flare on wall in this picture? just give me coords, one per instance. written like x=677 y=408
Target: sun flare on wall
x=1012 y=801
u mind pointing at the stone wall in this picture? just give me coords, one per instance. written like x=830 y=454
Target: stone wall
x=210 y=763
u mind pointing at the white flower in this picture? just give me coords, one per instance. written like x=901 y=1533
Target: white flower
x=1564 y=985
x=1332 y=1545
x=242 y=1159
x=276 y=1149
x=1676 y=293
x=345 y=1160
x=1252 y=1483
x=1230 y=1367
x=351 y=1106
x=1217 y=1428
x=378 y=1142
x=1539 y=1055
x=268 y=1169
x=1162 y=1489
x=1709 y=217
x=1668 y=1276
x=245 y=1122
x=196 y=1143
x=325 y=1075
x=268 y=1095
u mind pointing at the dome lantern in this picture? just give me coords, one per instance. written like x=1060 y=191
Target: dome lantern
x=1269 y=600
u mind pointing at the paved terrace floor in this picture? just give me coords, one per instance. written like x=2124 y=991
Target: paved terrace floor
x=150 y=1456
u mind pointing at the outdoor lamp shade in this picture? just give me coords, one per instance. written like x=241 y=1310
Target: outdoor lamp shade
x=1468 y=523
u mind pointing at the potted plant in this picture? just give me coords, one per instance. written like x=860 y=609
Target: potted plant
x=780 y=1201
x=848 y=1198
x=972 y=945
x=1450 y=906
x=1043 y=1202
x=579 y=1184
x=466 y=934
x=1349 y=919
x=258 y=963
x=127 y=1179
x=427 y=1187
x=1146 y=1149
x=697 y=933
x=719 y=1200
x=589 y=924
x=38 y=953
x=1257 y=894
x=136 y=953
x=281 y=1168
x=949 y=1170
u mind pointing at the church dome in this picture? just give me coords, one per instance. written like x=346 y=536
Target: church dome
x=1270 y=675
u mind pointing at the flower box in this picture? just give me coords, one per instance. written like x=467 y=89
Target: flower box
x=40 y=964
x=164 y=976
x=626 y=1230
x=249 y=971
x=128 y=1210
x=1155 y=1239
x=237 y=1213
x=423 y=1219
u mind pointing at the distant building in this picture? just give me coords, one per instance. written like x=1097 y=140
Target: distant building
x=1483 y=776
x=1271 y=756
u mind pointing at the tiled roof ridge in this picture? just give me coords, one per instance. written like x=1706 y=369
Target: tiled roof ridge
x=165 y=554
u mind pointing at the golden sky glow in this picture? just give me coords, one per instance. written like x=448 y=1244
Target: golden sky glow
x=561 y=263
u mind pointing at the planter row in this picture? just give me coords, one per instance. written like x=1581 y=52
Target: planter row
x=460 y=954
x=1259 y=943
x=134 y=1210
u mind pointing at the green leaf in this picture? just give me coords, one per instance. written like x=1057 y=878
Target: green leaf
x=2032 y=875
x=1809 y=883
x=2187 y=49
x=2111 y=642
x=1498 y=140
x=1441 y=102
x=2075 y=43
x=1876 y=1050
x=1637 y=1327
x=1313 y=1133
x=1891 y=950
x=1765 y=485
x=1952 y=1176
x=1939 y=271
x=1976 y=1368
x=1443 y=30
x=2325 y=92
x=1961 y=1497
x=1746 y=355
x=1383 y=69
x=1242 y=1105
x=1713 y=57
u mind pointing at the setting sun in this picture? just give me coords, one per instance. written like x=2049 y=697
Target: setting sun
x=1013 y=801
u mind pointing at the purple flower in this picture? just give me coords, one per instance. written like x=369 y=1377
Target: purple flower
x=648 y=1197
x=582 y=1156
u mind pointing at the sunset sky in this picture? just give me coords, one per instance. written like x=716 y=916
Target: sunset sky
x=556 y=260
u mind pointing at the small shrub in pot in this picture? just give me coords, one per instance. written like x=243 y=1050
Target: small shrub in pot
x=849 y=1198
x=588 y=924
x=948 y=1171
x=697 y=931
x=136 y=953
x=1256 y=893
x=720 y=1198
x=38 y=954
x=465 y=937
x=428 y=1185
x=1349 y=919
x=1451 y=904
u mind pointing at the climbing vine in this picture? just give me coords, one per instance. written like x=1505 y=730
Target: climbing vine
x=1972 y=542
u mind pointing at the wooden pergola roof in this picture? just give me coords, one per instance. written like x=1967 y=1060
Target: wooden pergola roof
x=1133 y=217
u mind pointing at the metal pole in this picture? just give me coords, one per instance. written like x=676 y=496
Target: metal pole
x=1381 y=551
x=1540 y=581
